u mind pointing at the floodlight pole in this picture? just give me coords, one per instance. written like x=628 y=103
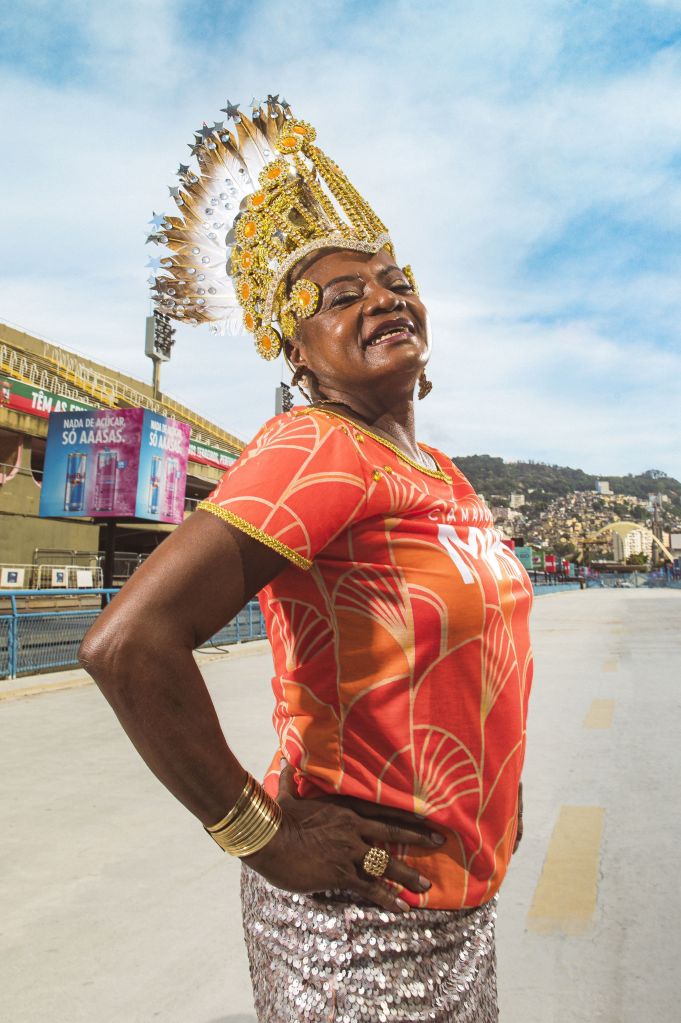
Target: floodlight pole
x=156 y=377
x=283 y=399
x=159 y=338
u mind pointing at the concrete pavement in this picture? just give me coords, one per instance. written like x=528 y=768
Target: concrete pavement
x=116 y=908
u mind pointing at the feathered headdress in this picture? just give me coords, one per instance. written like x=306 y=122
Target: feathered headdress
x=263 y=197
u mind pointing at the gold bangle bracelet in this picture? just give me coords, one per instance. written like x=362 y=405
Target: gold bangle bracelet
x=250 y=824
x=231 y=814
x=251 y=811
x=254 y=841
x=252 y=827
x=255 y=822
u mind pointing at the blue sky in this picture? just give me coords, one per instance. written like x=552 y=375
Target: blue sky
x=526 y=157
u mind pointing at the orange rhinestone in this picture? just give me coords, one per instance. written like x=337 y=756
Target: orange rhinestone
x=245 y=291
x=249 y=321
x=250 y=228
x=257 y=199
x=246 y=260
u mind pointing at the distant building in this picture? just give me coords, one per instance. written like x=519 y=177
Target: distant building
x=517 y=500
x=636 y=541
x=673 y=542
x=603 y=487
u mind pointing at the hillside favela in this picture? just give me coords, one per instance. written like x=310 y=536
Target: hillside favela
x=566 y=522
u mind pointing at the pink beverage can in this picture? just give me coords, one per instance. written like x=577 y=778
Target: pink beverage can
x=74 y=493
x=105 y=480
x=172 y=479
x=154 y=485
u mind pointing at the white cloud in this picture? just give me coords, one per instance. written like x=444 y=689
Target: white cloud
x=574 y=395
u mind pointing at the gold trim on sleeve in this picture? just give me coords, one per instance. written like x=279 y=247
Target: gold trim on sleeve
x=247 y=527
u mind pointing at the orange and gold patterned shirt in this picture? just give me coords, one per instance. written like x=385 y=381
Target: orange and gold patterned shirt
x=400 y=638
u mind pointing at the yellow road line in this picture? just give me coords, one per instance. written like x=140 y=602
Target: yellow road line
x=610 y=665
x=565 y=896
x=600 y=714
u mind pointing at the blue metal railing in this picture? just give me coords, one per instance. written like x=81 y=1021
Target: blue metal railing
x=567 y=584
x=37 y=641
x=635 y=580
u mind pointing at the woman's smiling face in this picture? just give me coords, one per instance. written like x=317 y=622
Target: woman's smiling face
x=370 y=328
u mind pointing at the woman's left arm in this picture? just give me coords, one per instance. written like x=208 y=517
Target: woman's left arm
x=140 y=653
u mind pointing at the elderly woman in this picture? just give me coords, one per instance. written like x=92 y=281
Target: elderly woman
x=373 y=851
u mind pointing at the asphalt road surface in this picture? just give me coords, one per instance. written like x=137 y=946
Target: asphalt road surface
x=115 y=907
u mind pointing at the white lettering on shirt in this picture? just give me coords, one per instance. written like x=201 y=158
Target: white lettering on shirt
x=481 y=544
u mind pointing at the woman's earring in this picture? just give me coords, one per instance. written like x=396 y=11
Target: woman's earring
x=295 y=382
x=425 y=386
x=409 y=274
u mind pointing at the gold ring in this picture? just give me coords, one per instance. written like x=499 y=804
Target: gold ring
x=375 y=861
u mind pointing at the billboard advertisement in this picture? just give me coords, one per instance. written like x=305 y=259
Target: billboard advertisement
x=524 y=556
x=35 y=401
x=210 y=456
x=115 y=463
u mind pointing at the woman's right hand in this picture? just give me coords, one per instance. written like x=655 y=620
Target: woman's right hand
x=320 y=846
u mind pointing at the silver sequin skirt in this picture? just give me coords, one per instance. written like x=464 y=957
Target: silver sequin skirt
x=333 y=957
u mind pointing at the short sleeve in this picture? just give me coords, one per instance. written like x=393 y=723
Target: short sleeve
x=296 y=486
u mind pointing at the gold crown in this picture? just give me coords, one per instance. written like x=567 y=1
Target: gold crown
x=263 y=198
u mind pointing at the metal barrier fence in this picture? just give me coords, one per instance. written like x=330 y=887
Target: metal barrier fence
x=542 y=588
x=635 y=580
x=248 y=624
x=67 y=575
x=35 y=641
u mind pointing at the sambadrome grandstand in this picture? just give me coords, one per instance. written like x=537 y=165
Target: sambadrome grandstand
x=36 y=378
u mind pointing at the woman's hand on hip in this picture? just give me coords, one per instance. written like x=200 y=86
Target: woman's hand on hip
x=320 y=845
